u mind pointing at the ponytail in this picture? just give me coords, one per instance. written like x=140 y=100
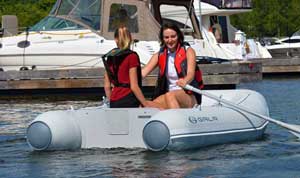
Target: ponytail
x=123 y=37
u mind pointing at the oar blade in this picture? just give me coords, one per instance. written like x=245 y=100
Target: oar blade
x=295 y=128
x=296 y=134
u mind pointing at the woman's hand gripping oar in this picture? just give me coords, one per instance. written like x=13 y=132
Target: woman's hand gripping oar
x=295 y=129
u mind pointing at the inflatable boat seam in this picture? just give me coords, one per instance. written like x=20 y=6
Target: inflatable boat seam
x=220 y=132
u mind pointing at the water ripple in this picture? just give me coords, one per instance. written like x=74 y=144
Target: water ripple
x=276 y=155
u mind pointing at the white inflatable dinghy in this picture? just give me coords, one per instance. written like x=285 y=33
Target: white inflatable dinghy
x=174 y=129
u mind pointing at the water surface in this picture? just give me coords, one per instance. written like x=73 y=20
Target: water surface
x=276 y=155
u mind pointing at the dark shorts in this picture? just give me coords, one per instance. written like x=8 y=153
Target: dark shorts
x=128 y=101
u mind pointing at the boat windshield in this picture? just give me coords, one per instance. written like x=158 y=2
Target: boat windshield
x=53 y=23
x=178 y=15
x=297 y=33
x=87 y=12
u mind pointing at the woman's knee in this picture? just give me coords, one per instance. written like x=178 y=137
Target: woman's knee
x=170 y=96
x=183 y=99
x=161 y=101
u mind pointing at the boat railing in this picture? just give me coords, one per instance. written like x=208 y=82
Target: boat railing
x=8 y=32
x=230 y=4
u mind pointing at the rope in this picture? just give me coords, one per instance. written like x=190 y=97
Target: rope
x=43 y=32
x=58 y=34
x=76 y=64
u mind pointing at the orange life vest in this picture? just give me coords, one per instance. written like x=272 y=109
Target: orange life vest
x=180 y=63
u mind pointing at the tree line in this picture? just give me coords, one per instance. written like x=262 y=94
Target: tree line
x=270 y=18
x=28 y=12
x=273 y=18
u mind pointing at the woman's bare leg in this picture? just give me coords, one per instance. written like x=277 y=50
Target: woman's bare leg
x=161 y=101
x=179 y=99
x=171 y=99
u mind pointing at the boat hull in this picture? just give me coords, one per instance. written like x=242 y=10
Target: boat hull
x=194 y=128
x=285 y=52
x=173 y=129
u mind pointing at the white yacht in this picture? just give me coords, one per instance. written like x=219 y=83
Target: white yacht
x=286 y=47
x=233 y=42
x=77 y=33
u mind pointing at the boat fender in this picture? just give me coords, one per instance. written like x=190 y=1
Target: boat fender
x=23 y=44
x=54 y=130
x=156 y=135
x=42 y=140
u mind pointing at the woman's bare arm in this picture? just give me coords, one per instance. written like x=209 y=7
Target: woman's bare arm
x=138 y=92
x=150 y=65
x=191 y=65
x=134 y=85
x=107 y=86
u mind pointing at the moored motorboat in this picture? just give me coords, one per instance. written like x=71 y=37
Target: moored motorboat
x=77 y=33
x=286 y=47
x=174 y=129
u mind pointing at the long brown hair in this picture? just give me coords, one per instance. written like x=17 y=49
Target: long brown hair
x=123 y=37
x=173 y=27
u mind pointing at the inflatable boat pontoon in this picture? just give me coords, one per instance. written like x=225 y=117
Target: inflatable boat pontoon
x=174 y=129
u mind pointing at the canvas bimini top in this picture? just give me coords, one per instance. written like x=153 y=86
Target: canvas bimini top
x=142 y=17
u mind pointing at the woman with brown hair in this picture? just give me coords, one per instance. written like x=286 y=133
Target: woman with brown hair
x=177 y=67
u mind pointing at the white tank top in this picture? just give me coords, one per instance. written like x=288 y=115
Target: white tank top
x=171 y=72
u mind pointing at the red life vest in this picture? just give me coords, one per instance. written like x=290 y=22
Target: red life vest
x=180 y=63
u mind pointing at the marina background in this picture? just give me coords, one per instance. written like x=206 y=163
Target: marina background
x=269 y=18
x=276 y=155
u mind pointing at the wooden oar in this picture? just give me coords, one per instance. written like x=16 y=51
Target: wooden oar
x=295 y=129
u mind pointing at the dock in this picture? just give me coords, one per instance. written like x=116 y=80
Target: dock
x=280 y=65
x=90 y=81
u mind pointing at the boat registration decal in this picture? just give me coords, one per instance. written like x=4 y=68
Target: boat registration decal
x=198 y=119
x=144 y=116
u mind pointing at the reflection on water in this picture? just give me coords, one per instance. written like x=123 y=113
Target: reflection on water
x=276 y=155
x=15 y=117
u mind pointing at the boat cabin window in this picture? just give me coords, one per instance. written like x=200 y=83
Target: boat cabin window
x=291 y=41
x=53 y=23
x=218 y=26
x=123 y=14
x=178 y=15
x=83 y=11
x=297 y=33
